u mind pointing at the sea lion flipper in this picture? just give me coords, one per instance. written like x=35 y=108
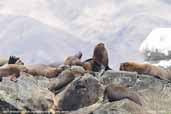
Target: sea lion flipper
x=13 y=77
x=13 y=59
x=134 y=97
x=108 y=68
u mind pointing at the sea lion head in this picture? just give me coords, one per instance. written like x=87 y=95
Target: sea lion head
x=78 y=55
x=19 y=62
x=74 y=60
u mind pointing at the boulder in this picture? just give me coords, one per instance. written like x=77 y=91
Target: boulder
x=26 y=93
x=154 y=94
x=83 y=91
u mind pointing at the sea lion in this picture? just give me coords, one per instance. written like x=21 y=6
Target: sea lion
x=99 y=60
x=145 y=68
x=91 y=65
x=117 y=92
x=12 y=71
x=43 y=70
x=74 y=60
x=64 y=78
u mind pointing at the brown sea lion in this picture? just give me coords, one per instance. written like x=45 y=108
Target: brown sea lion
x=117 y=92
x=12 y=71
x=43 y=70
x=144 y=68
x=8 y=70
x=64 y=78
x=74 y=60
x=99 y=59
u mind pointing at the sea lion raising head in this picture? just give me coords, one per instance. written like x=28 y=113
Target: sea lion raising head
x=116 y=92
x=144 y=68
x=100 y=55
x=74 y=60
x=99 y=60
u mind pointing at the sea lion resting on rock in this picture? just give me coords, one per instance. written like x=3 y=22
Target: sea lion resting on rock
x=116 y=92
x=9 y=69
x=12 y=71
x=144 y=68
x=74 y=60
x=99 y=60
x=64 y=78
x=35 y=70
x=44 y=70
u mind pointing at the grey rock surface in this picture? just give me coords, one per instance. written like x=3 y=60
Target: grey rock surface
x=83 y=93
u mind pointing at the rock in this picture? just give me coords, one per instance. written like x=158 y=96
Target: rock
x=83 y=91
x=121 y=78
x=7 y=108
x=87 y=110
x=120 y=107
x=26 y=94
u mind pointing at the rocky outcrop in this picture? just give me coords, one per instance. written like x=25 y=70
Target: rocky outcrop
x=154 y=94
x=83 y=92
x=26 y=94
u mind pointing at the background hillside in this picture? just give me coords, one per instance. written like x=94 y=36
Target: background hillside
x=42 y=31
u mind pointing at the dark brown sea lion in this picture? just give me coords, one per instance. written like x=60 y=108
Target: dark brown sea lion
x=99 y=59
x=74 y=60
x=144 y=68
x=117 y=92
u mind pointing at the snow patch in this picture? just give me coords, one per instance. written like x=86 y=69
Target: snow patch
x=158 y=41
